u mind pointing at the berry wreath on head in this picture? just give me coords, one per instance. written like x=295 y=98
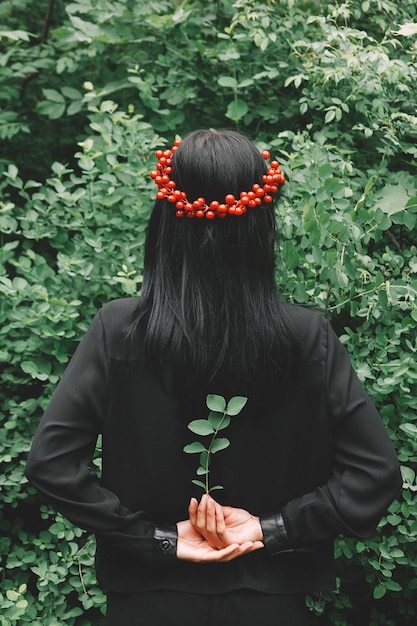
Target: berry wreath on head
x=167 y=189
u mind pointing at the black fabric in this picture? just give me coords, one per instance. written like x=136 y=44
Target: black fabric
x=167 y=608
x=320 y=457
x=274 y=533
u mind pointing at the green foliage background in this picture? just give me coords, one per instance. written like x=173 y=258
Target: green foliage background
x=88 y=90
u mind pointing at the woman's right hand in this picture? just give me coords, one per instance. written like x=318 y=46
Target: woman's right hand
x=223 y=526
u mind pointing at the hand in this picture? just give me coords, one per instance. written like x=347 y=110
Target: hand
x=191 y=546
x=222 y=526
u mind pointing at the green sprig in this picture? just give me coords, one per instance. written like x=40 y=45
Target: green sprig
x=218 y=419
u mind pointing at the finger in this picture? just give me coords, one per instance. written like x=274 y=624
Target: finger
x=220 y=523
x=224 y=554
x=251 y=546
x=241 y=549
x=192 y=511
x=202 y=513
x=211 y=521
x=205 y=522
x=211 y=530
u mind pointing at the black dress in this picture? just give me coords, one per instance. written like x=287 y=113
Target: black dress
x=318 y=463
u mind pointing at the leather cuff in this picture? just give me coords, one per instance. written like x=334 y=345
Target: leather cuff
x=275 y=537
x=166 y=538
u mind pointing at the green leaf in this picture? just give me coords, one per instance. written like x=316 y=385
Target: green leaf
x=235 y=405
x=393 y=198
x=201 y=427
x=12 y=595
x=53 y=95
x=329 y=117
x=71 y=93
x=74 y=107
x=408 y=474
x=193 y=448
x=216 y=403
x=219 y=444
x=410 y=429
x=51 y=109
x=237 y=109
x=15 y=35
x=181 y=15
x=29 y=367
x=199 y=484
x=393 y=586
x=205 y=459
x=218 y=420
x=227 y=81
x=202 y=470
x=216 y=487
x=89 y=29
x=379 y=591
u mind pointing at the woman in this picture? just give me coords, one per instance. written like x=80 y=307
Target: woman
x=309 y=455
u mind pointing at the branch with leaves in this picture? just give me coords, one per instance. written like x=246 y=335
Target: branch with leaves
x=218 y=419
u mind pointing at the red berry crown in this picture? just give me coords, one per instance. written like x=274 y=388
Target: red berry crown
x=167 y=189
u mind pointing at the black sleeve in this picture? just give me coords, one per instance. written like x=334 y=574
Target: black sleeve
x=61 y=455
x=366 y=476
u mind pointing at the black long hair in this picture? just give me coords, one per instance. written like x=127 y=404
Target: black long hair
x=209 y=301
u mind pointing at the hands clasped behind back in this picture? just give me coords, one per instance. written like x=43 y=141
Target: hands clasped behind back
x=215 y=533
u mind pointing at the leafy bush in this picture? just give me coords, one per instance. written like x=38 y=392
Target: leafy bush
x=330 y=89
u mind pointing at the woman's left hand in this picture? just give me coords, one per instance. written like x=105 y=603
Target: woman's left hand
x=192 y=546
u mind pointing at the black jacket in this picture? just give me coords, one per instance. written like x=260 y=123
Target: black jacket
x=316 y=464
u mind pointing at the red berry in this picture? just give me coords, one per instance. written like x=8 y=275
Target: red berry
x=230 y=198
x=266 y=154
x=210 y=214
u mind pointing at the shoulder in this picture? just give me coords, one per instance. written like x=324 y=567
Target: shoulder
x=116 y=318
x=311 y=330
x=118 y=311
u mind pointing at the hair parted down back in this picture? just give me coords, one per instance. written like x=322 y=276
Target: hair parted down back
x=209 y=300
